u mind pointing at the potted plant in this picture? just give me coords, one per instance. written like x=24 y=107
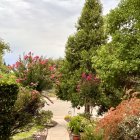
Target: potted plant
x=67 y=118
x=76 y=125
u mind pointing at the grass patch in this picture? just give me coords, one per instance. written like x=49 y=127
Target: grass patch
x=27 y=134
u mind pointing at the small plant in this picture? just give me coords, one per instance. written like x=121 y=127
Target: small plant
x=77 y=124
x=90 y=133
x=67 y=118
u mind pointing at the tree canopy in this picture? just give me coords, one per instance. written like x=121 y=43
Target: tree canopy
x=3 y=47
x=79 y=49
x=118 y=62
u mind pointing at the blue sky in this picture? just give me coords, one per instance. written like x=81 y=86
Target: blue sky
x=40 y=26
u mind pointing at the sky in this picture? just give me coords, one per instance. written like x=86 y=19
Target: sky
x=40 y=26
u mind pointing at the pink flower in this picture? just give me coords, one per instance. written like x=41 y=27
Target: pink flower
x=13 y=66
x=46 y=60
x=36 y=58
x=89 y=77
x=84 y=75
x=17 y=64
x=26 y=57
x=30 y=53
x=52 y=76
x=43 y=62
x=52 y=68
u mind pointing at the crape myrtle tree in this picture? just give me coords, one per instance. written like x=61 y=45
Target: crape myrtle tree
x=79 y=50
x=118 y=62
x=34 y=72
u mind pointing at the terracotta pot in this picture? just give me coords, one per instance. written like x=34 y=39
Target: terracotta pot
x=76 y=137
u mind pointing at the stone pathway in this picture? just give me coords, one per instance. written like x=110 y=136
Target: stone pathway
x=59 y=132
x=60 y=109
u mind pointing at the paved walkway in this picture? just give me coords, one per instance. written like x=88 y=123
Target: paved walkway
x=60 y=109
x=59 y=132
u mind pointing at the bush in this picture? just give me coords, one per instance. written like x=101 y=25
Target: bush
x=26 y=107
x=44 y=117
x=8 y=96
x=112 y=121
x=67 y=118
x=77 y=124
x=90 y=133
x=128 y=129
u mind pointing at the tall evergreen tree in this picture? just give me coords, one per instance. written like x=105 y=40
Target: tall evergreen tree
x=79 y=50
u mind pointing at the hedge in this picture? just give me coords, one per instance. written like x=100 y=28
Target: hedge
x=8 y=96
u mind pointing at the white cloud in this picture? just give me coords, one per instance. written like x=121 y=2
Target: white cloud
x=41 y=26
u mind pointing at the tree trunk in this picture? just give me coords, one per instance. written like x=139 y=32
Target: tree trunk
x=87 y=108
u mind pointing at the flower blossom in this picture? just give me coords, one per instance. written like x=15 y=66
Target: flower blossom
x=84 y=75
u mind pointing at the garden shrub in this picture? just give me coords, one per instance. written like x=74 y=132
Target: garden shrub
x=8 y=96
x=44 y=117
x=77 y=124
x=90 y=133
x=26 y=107
x=128 y=129
x=115 y=119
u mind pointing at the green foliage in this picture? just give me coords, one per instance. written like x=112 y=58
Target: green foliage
x=67 y=118
x=79 y=49
x=118 y=62
x=90 y=133
x=28 y=134
x=85 y=115
x=26 y=107
x=44 y=117
x=8 y=96
x=3 y=47
x=77 y=124
x=8 y=78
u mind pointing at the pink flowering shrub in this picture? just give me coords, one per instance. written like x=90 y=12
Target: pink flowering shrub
x=34 y=72
x=88 y=87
